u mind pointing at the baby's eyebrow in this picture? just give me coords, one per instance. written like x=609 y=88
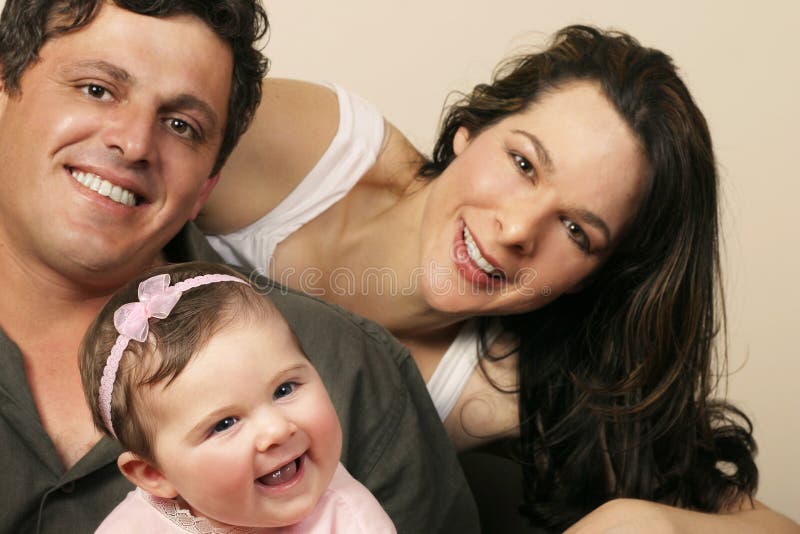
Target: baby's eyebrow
x=201 y=427
x=297 y=367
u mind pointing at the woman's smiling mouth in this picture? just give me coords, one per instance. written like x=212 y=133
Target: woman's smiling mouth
x=476 y=256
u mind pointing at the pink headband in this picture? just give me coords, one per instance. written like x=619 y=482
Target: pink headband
x=156 y=299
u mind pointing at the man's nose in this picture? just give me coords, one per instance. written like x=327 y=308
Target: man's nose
x=131 y=132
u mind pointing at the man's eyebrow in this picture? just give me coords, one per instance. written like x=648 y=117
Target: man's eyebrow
x=541 y=151
x=118 y=73
x=189 y=101
x=593 y=220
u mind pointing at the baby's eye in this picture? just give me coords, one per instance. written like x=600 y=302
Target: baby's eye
x=284 y=390
x=182 y=128
x=577 y=234
x=97 y=92
x=524 y=165
x=224 y=424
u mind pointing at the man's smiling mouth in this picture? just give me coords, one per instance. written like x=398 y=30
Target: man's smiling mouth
x=104 y=187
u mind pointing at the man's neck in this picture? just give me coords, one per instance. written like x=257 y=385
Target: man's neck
x=46 y=314
x=39 y=305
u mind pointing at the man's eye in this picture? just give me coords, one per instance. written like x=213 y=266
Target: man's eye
x=98 y=92
x=284 y=390
x=181 y=127
x=224 y=424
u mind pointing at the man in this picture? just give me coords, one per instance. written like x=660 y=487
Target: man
x=115 y=118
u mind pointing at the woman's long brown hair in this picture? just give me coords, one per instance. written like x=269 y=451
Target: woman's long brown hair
x=616 y=382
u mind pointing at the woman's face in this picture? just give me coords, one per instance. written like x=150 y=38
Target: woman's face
x=531 y=205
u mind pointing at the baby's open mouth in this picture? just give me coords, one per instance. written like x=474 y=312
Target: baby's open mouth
x=282 y=475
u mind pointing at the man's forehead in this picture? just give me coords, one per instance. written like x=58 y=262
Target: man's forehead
x=178 y=54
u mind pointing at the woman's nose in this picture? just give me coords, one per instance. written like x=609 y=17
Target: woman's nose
x=520 y=223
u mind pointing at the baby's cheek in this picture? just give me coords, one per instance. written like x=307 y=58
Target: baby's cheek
x=326 y=427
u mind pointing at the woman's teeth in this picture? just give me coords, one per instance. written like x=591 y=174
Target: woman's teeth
x=475 y=255
x=105 y=188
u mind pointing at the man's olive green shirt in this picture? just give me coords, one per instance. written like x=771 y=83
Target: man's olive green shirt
x=394 y=442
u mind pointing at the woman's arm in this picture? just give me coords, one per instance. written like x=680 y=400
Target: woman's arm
x=292 y=128
x=632 y=515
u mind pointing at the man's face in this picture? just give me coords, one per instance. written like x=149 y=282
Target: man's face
x=106 y=151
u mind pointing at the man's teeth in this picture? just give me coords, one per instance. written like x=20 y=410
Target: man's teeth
x=475 y=254
x=105 y=188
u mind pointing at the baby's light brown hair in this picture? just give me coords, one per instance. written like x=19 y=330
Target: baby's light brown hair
x=199 y=314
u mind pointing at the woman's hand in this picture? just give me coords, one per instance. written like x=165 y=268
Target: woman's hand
x=624 y=516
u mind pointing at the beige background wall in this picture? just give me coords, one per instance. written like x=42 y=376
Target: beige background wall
x=739 y=59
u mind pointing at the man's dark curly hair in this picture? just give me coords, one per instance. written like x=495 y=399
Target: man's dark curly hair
x=26 y=25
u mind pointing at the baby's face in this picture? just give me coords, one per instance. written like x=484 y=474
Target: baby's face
x=247 y=434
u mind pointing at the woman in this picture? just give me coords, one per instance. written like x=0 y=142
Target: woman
x=570 y=208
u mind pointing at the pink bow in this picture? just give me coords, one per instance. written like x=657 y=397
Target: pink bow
x=156 y=299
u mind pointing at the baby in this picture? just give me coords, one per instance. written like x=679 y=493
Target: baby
x=226 y=425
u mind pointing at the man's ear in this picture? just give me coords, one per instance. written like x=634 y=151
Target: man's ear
x=460 y=140
x=145 y=475
x=204 y=194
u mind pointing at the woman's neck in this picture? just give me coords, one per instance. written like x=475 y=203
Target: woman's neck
x=382 y=254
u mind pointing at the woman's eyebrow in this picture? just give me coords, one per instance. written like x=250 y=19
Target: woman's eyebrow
x=587 y=216
x=541 y=151
x=593 y=220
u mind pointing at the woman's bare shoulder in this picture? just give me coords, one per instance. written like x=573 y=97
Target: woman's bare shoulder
x=397 y=164
x=291 y=130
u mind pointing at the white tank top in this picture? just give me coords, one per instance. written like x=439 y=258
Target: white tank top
x=352 y=152
x=456 y=366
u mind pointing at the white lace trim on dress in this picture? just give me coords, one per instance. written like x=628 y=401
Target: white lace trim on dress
x=183 y=518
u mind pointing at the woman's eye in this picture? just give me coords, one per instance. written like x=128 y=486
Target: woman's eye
x=524 y=165
x=284 y=390
x=577 y=234
x=224 y=424
x=98 y=92
x=181 y=127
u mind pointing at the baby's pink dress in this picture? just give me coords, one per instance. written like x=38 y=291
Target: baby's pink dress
x=345 y=507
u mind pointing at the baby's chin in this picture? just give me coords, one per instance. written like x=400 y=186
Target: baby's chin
x=279 y=514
